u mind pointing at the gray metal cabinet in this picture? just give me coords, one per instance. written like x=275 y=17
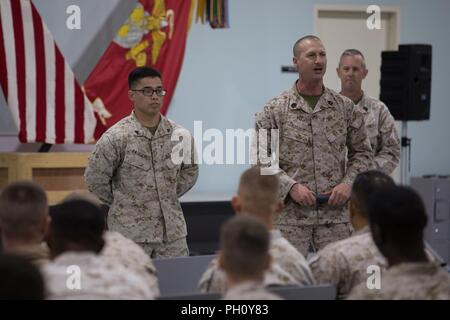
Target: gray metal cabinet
x=435 y=193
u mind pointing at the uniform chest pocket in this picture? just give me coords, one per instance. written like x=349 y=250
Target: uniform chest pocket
x=294 y=145
x=372 y=131
x=374 y=137
x=137 y=161
x=166 y=156
x=295 y=136
x=171 y=164
x=371 y=126
x=336 y=135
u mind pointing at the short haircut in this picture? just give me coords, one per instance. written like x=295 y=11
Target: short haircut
x=20 y=279
x=77 y=222
x=140 y=73
x=352 y=52
x=297 y=43
x=23 y=207
x=365 y=184
x=399 y=213
x=259 y=191
x=245 y=247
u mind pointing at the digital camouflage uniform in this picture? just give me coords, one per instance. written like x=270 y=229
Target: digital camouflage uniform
x=382 y=133
x=250 y=291
x=288 y=267
x=313 y=152
x=98 y=279
x=132 y=171
x=127 y=253
x=421 y=281
x=345 y=263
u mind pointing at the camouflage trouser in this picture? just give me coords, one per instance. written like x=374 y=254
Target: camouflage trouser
x=314 y=236
x=177 y=248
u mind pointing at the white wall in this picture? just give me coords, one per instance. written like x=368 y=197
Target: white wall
x=229 y=74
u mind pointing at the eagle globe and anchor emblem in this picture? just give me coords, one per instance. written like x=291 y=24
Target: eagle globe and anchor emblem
x=140 y=23
x=131 y=35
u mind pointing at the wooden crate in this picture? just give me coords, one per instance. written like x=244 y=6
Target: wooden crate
x=59 y=173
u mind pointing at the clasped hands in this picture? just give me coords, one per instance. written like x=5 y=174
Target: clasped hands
x=339 y=195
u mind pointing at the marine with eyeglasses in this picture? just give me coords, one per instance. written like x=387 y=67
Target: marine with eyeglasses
x=135 y=171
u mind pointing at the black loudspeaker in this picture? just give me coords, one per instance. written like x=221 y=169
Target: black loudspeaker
x=406 y=81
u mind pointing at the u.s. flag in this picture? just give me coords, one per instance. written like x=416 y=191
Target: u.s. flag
x=45 y=99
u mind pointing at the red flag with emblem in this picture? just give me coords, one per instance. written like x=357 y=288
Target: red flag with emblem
x=154 y=35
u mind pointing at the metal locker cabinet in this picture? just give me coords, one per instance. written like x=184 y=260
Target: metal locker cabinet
x=435 y=193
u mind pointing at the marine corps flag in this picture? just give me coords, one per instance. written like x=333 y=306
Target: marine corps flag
x=154 y=35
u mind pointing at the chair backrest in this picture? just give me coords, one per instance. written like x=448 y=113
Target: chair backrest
x=195 y=296
x=203 y=222
x=434 y=253
x=288 y=292
x=180 y=276
x=316 y=292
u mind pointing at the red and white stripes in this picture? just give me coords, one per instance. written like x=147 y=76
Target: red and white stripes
x=45 y=99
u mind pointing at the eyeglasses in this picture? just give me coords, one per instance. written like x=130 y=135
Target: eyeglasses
x=148 y=91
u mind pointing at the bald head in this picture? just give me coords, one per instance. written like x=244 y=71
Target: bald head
x=299 y=43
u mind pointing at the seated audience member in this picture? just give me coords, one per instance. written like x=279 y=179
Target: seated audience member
x=19 y=279
x=24 y=221
x=245 y=257
x=77 y=271
x=122 y=250
x=397 y=219
x=344 y=263
x=257 y=197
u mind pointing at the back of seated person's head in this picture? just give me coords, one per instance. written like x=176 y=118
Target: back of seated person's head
x=23 y=213
x=83 y=195
x=90 y=197
x=244 y=244
x=365 y=184
x=258 y=194
x=397 y=219
x=77 y=225
x=19 y=279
